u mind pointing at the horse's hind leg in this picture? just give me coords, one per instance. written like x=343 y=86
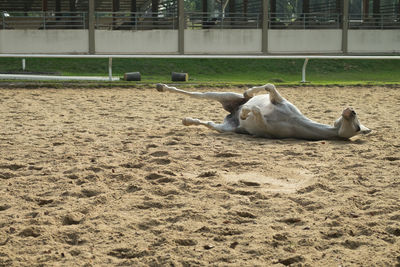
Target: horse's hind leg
x=230 y=101
x=249 y=93
x=223 y=127
x=274 y=95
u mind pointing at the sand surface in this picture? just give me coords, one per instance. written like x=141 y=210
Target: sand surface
x=110 y=177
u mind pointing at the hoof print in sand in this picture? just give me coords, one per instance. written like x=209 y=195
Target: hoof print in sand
x=226 y=155
x=162 y=161
x=353 y=244
x=208 y=174
x=291 y=260
x=153 y=176
x=90 y=192
x=4 y=207
x=186 y=242
x=73 y=238
x=30 y=232
x=159 y=157
x=246 y=214
x=159 y=154
x=127 y=253
x=6 y=175
x=72 y=218
x=12 y=167
x=42 y=202
x=133 y=188
x=166 y=180
x=132 y=166
x=159 y=178
x=292 y=220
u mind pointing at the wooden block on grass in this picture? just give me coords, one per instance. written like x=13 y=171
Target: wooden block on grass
x=132 y=76
x=179 y=77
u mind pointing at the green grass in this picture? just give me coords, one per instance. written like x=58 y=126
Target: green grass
x=223 y=71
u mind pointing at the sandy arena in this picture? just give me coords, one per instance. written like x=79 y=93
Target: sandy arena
x=110 y=177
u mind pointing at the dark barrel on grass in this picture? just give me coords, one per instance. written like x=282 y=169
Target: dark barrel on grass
x=179 y=77
x=132 y=76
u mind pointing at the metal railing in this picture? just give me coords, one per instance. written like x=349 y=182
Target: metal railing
x=43 y=20
x=193 y=20
x=135 y=20
x=304 y=21
x=201 y=20
x=374 y=21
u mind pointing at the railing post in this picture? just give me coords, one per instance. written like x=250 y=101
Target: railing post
x=303 y=71
x=345 y=26
x=264 y=33
x=23 y=64
x=92 y=45
x=110 y=69
x=44 y=20
x=136 y=21
x=181 y=27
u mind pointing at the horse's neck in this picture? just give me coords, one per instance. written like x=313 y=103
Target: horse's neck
x=309 y=129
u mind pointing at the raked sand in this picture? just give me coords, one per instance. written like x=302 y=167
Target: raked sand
x=110 y=177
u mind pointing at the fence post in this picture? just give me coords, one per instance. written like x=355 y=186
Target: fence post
x=181 y=27
x=136 y=21
x=92 y=47
x=265 y=19
x=44 y=20
x=303 y=71
x=345 y=26
x=110 y=69
x=23 y=64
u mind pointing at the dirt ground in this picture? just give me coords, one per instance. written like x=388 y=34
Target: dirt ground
x=110 y=177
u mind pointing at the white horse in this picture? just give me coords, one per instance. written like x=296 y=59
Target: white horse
x=271 y=116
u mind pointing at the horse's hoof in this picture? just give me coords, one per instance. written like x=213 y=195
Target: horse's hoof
x=160 y=87
x=187 y=121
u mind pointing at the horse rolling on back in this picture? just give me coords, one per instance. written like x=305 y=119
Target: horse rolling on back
x=270 y=115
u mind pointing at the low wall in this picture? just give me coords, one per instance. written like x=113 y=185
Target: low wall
x=44 y=41
x=208 y=41
x=223 y=41
x=304 y=41
x=128 y=42
x=374 y=41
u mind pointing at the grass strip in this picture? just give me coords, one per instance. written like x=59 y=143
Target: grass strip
x=216 y=72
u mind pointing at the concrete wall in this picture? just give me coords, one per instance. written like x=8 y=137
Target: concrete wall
x=128 y=42
x=44 y=41
x=212 y=41
x=305 y=41
x=225 y=41
x=374 y=41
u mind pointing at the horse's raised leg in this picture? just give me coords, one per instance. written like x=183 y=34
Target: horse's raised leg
x=230 y=101
x=249 y=93
x=274 y=95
